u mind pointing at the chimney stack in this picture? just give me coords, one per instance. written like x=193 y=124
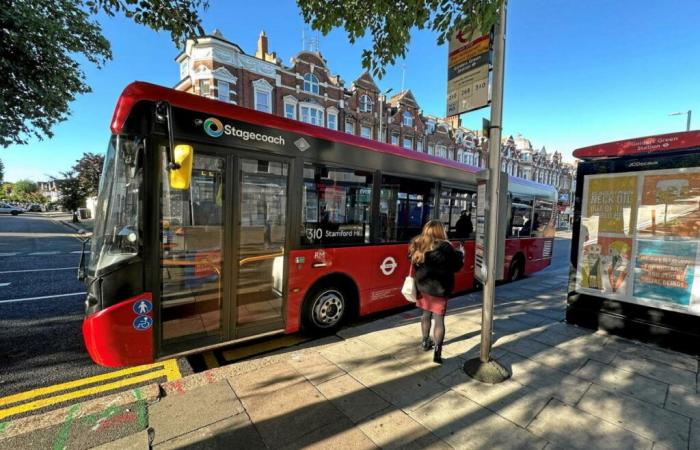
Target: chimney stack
x=261 y=52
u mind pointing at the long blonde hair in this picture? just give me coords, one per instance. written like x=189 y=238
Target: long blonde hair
x=433 y=233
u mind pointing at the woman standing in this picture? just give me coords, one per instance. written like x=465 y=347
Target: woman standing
x=435 y=262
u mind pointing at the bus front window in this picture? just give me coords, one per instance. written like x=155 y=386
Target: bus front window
x=117 y=236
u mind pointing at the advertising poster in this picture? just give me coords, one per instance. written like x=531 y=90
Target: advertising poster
x=670 y=205
x=665 y=271
x=604 y=265
x=610 y=200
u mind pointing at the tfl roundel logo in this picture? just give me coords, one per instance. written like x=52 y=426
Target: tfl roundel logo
x=213 y=127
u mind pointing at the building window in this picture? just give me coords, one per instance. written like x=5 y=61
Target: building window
x=442 y=151
x=262 y=97
x=419 y=145
x=365 y=104
x=204 y=88
x=394 y=139
x=223 y=91
x=408 y=142
x=431 y=127
x=407 y=119
x=431 y=149
x=311 y=114
x=290 y=111
x=184 y=68
x=451 y=154
x=311 y=83
x=350 y=127
x=333 y=121
x=366 y=132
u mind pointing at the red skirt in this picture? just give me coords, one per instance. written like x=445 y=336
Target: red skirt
x=436 y=305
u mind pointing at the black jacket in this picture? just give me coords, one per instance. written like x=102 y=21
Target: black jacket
x=436 y=275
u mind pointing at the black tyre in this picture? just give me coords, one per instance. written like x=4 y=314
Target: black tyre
x=14 y=213
x=517 y=268
x=325 y=309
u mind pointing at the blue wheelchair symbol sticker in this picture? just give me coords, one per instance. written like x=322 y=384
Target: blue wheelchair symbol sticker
x=142 y=307
x=143 y=323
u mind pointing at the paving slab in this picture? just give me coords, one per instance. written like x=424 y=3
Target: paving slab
x=655 y=423
x=464 y=424
x=138 y=441
x=265 y=380
x=675 y=359
x=544 y=379
x=219 y=435
x=616 y=380
x=694 y=435
x=394 y=429
x=567 y=427
x=179 y=414
x=352 y=398
x=336 y=436
x=655 y=369
x=684 y=401
x=314 y=367
x=286 y=415
x=523 y=347
x=352 y=354
x=409 y=391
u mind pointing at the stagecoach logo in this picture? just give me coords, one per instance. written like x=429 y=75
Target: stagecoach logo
x=302 y=145
x=215 y=128
x=388 y=265
x=642 y=163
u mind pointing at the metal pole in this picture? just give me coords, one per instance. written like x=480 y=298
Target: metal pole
x=381 y=117
x=484 y=369
x=494 y=180
x=687 y=127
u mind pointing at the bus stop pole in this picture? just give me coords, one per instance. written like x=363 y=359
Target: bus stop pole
x=483 y=368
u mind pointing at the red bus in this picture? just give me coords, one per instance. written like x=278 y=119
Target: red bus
x=217 y=223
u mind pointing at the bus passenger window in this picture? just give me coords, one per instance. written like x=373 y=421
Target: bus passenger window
x=543 y=219
x=336 y=205
x=405 y=205
x=457 y=213
x=520 y=217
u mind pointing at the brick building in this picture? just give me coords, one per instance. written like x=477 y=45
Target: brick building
x=308 y=91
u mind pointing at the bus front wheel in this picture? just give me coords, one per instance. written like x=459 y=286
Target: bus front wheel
x=517 y=268
x=324 y=309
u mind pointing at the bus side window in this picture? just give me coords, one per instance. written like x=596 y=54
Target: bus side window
x=520 y=222
x=405 y=205
x=543 y=219
x=456 y=213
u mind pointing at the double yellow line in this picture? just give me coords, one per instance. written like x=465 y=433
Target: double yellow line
x=30 y=401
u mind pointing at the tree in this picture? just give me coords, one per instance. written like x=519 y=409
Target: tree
x=89 y=169
x=72 y=193
x=2 y=171
x=42 y=41
x=390 y=22
x=25 y=187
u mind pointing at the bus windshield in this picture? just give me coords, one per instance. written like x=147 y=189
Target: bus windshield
x=117 y=236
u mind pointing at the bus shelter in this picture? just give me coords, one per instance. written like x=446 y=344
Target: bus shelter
x=635 y=255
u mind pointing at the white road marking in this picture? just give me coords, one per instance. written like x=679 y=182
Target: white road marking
x=43 y=253
x=28 y=299
x=79 y=252
x=38 y=270
x=8 y=254
x=5 y=284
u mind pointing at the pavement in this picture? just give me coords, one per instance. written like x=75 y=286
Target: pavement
x=370 y=386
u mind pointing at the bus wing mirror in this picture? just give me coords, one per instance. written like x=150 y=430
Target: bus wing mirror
x=181 y=173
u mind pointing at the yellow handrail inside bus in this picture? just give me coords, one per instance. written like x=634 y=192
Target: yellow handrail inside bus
x=252 y=259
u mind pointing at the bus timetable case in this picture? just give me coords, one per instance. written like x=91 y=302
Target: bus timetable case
x=635 y=259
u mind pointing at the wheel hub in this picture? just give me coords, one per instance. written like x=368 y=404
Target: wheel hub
x=328 y=309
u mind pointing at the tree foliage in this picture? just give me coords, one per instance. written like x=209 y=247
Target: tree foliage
x=2 y=171
x=390 y=22
x=23 y=191
x=73 y=194
x=89 y=169
x=42 y=41
x=25 y=187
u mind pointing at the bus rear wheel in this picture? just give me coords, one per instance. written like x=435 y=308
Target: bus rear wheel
x=517 y=268
x=325 y=308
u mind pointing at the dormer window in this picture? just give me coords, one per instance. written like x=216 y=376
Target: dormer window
x=365 y=104
x=311 y=83
x=407 y=119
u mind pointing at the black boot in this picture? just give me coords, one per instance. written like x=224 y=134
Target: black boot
x=427 y=344
x=437 y=354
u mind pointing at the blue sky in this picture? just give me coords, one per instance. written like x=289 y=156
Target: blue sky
x=577 y=73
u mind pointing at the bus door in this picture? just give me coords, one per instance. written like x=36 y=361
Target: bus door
x=223 y=248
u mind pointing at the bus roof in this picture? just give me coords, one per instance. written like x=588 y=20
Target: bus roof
x=659 y=143
x=141 y=91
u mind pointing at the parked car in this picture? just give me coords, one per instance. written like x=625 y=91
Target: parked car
x=9 y=209
x=33 y=208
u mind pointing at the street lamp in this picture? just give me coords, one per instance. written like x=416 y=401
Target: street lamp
x=689 y=112
x=382 y=99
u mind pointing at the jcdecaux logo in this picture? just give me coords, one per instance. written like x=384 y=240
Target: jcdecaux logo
x=215 y=128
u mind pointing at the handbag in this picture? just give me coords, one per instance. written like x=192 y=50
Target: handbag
x=409 y=290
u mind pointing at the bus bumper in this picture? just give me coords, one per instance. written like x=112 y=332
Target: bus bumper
x=122 y=334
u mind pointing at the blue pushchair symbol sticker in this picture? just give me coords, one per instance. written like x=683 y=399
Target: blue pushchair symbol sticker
x=142 y=307
x=143 y=323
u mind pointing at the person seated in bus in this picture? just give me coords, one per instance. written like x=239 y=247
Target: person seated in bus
x=464 y=227
x=526 y=228
x=535 y=225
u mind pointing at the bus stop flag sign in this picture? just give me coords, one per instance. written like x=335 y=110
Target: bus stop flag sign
x=468 y=62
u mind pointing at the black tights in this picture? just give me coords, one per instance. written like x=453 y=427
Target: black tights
x=438 y=330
